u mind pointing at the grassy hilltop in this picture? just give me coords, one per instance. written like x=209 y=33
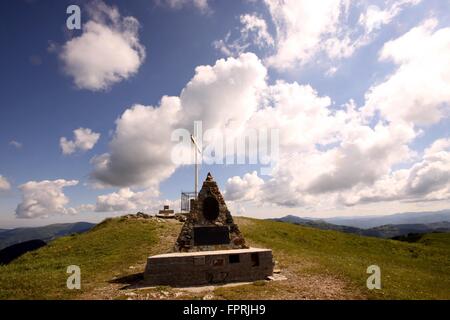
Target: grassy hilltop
x=319 y=264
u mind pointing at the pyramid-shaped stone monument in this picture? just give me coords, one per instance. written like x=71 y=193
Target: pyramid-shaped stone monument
x=210 y=248
x=209 y=225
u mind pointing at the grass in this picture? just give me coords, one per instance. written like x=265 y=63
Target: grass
x=418 y=270
x=103 y=253
x=318 y=263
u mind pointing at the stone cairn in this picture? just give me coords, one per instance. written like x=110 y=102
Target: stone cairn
x=209 y=211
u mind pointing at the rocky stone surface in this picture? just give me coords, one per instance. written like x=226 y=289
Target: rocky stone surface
x=201 y=215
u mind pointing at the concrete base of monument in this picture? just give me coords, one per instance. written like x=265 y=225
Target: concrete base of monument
x=183 y=269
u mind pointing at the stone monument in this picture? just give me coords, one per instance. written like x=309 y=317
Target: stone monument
x=210 y=248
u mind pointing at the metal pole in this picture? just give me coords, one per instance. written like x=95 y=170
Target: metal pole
x=196 y=174
x=196 y=150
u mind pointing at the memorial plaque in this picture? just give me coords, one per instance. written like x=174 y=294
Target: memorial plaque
x=206 y=236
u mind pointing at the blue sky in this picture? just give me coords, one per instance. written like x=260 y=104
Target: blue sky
x=46 y=97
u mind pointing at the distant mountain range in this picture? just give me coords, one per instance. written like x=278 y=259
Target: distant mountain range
x=10 y=237
x=399 y=218
x=379 y=230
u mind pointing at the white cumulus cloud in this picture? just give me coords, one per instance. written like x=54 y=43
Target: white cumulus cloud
x=245 y=188
x=4 y=184
x=126 y=199
x=140 y=151
x=329 y=155
x=309 y=31
x=202 y=5
x=44 y=199
x=419 y=90
x=375 y=17
x=301 y=26
x=426 y=180
x=253 y=30
x=324 y=154
x=310 y=176
x=108 y=51
x=223 y=96
x=84 y=139
x=251 y=23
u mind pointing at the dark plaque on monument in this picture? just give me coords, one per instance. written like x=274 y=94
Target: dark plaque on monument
x=207 y=236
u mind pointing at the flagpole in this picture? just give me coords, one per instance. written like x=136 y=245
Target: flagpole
x=196 y=175
x=196 y=150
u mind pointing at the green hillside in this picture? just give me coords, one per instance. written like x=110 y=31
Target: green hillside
x=318 y=264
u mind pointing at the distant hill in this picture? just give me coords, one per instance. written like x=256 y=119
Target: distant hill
x=11 y=253
x=318 y=264
x=396 y=230
x=320 y=224
x=46 y=233
x=384 y=231
x=399 y=218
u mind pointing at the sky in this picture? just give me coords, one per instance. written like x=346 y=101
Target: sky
x=340 y=107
